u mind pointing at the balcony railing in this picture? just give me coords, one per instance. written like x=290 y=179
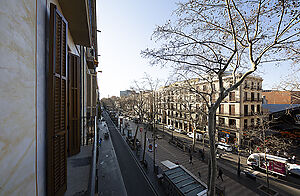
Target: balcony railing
x=92 y=180
x=229 y=114
x=246 y=87
x=227 y=126
x=253 y=99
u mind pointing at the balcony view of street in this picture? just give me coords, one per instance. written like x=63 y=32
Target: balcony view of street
x=150 y=98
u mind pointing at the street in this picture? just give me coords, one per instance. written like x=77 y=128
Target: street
x=136 y=183
x=228 y=162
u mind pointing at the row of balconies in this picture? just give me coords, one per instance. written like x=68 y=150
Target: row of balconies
x=239 y=114
x=252 y=99
x=252 y=87
x=227 y=100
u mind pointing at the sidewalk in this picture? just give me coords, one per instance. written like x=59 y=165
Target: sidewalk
x=110 y=181
x=78 y=172
x=149 y=171
x=167 y=152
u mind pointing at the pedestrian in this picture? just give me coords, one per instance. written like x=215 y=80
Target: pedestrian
x=100 y=141
x=199 y=174
x=220 y=174
x=293 y=159
x=191 y=158
x=203 y=156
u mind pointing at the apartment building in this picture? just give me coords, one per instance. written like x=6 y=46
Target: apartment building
x=48 y=83
x=240 y=110
x=183 y=109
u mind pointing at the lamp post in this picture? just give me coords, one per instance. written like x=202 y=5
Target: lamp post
x=239 y=162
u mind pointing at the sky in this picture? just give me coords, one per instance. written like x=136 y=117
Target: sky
x=126 y=27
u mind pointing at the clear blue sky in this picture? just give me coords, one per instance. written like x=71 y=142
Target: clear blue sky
x=126 y=27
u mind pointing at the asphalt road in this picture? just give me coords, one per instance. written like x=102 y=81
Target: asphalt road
x=135 y=181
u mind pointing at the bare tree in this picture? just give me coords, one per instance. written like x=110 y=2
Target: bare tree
x=145 y=105
x=193 y=107
x=265 y=140
x=210 y=39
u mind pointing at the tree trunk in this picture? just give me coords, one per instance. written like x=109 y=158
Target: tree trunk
x=135 y=136
x=154 y=136
x=212 y=152
x=145 y=139
x=194 y=139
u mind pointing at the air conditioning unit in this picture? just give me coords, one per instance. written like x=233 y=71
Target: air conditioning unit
x=90 y=53
x=90 y=57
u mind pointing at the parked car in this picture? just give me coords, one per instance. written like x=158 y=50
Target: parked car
x=170 y=127
x=224 y=146
x=178 y=130
x=183 y=132
x=191 y=135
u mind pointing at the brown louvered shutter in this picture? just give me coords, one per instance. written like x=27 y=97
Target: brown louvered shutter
x=74 y=105
x=57 y=107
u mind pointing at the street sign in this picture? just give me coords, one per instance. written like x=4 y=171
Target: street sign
x=150 y=148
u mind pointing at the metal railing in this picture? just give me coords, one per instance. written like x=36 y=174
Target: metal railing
x=92 y=180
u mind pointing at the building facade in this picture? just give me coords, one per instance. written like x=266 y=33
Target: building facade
x=126 y=93
x=48 y=85
x=182 y=108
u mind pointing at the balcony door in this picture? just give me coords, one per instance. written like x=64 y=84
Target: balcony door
x=57 y=105
x=74 y=104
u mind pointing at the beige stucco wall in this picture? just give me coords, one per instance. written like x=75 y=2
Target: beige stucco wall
x=23 y=63
x=17 y=97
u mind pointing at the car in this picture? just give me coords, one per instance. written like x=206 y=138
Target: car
x=178 y=130
x=198 y=135
x=183 y=132
x=224 y=146
x=170 y=127
x=190 y=134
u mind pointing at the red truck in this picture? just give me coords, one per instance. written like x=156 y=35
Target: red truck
x=276 y=165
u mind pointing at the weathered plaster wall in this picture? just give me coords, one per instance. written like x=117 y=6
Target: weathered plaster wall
x=17 y=97
x=23 y=76
x=42 y=59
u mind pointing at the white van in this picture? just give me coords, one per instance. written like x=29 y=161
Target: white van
x=169 y=127
x=224 y=146
x=198 y=135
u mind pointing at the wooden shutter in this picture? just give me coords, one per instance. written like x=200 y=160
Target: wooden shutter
x=74 y=105
x=57 y=107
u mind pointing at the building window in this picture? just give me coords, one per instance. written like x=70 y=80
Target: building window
x=221 y=121
x=245 y=96
x=258 y=109
x=232 y=123
x=232 y=96
x=245 y=123
x=252 y=96
x=246 y=85
x=231 y=109
x=246 y=112
x=252 y=122
x=252 y=110
x=221 y=109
